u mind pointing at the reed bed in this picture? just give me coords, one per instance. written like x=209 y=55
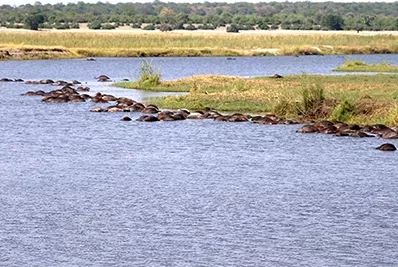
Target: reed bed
x=374 y=98
x=171 y=44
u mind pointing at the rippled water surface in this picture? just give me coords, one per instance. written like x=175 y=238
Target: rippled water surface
x=86 y=189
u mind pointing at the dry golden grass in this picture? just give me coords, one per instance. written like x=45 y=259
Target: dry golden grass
x=178 y=44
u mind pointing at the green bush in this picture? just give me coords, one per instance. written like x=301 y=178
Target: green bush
x=313 y=96
x=108 y=26
x=343 y=111
x=263 y=26
x=149 y=27
x=136 y=25
x=74 y=26
x=95 y=25
x=285 y=107
x=286 y=26
x=64 y=26
x=148 y=76
x=233 y=28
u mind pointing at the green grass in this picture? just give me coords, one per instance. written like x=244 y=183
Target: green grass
x=115 y=44
x=360 y=66
x=352 y=98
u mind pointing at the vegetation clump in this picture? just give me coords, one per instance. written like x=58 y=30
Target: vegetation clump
x=313 y=97
x=343 y=111
x=361 y=66
x=233 y=28
x=297 y=96
x=149 y=27
x=148 y=76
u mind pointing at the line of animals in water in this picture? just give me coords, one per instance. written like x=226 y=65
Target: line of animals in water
x=70 y=92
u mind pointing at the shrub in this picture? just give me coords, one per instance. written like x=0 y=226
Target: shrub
x=148 y=75
x=233 y=28
x=108 y=26
x=74 y=26
x=95 y=25
x=149 y=27
x=343 y=111
x=263 y=26
x=313 y=97
x=286 y=26
x=62 y=26
x=285 y=107
x=136 y=25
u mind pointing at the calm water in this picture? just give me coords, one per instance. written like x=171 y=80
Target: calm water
x=86 y=189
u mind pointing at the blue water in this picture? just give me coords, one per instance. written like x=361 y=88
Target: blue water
x=85 y=189
x=173 y=68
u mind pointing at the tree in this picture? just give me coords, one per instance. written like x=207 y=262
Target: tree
x=167 y=15
x=332 y=22
x=32 y=21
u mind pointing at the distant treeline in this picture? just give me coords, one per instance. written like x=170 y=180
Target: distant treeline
x=238 y=16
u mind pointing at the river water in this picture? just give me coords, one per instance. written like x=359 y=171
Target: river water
x=86 y=189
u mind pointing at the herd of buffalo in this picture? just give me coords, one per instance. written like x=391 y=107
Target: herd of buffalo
x=73 y=91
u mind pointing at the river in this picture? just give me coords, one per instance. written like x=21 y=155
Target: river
x=85 y=189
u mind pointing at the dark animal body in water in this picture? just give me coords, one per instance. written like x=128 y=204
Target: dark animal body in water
x=277 y=76
x=387 y=147
x=125 y=118
x=103 y=78
x=124 y=104
x=10 y=80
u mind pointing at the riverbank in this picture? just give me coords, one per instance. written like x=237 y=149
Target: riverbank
x=361 y=99
x=161 y=44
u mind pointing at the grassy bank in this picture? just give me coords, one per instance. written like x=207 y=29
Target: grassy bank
x=32 y=52
x=118 y=44
x=360 y=66
x=359 y=99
